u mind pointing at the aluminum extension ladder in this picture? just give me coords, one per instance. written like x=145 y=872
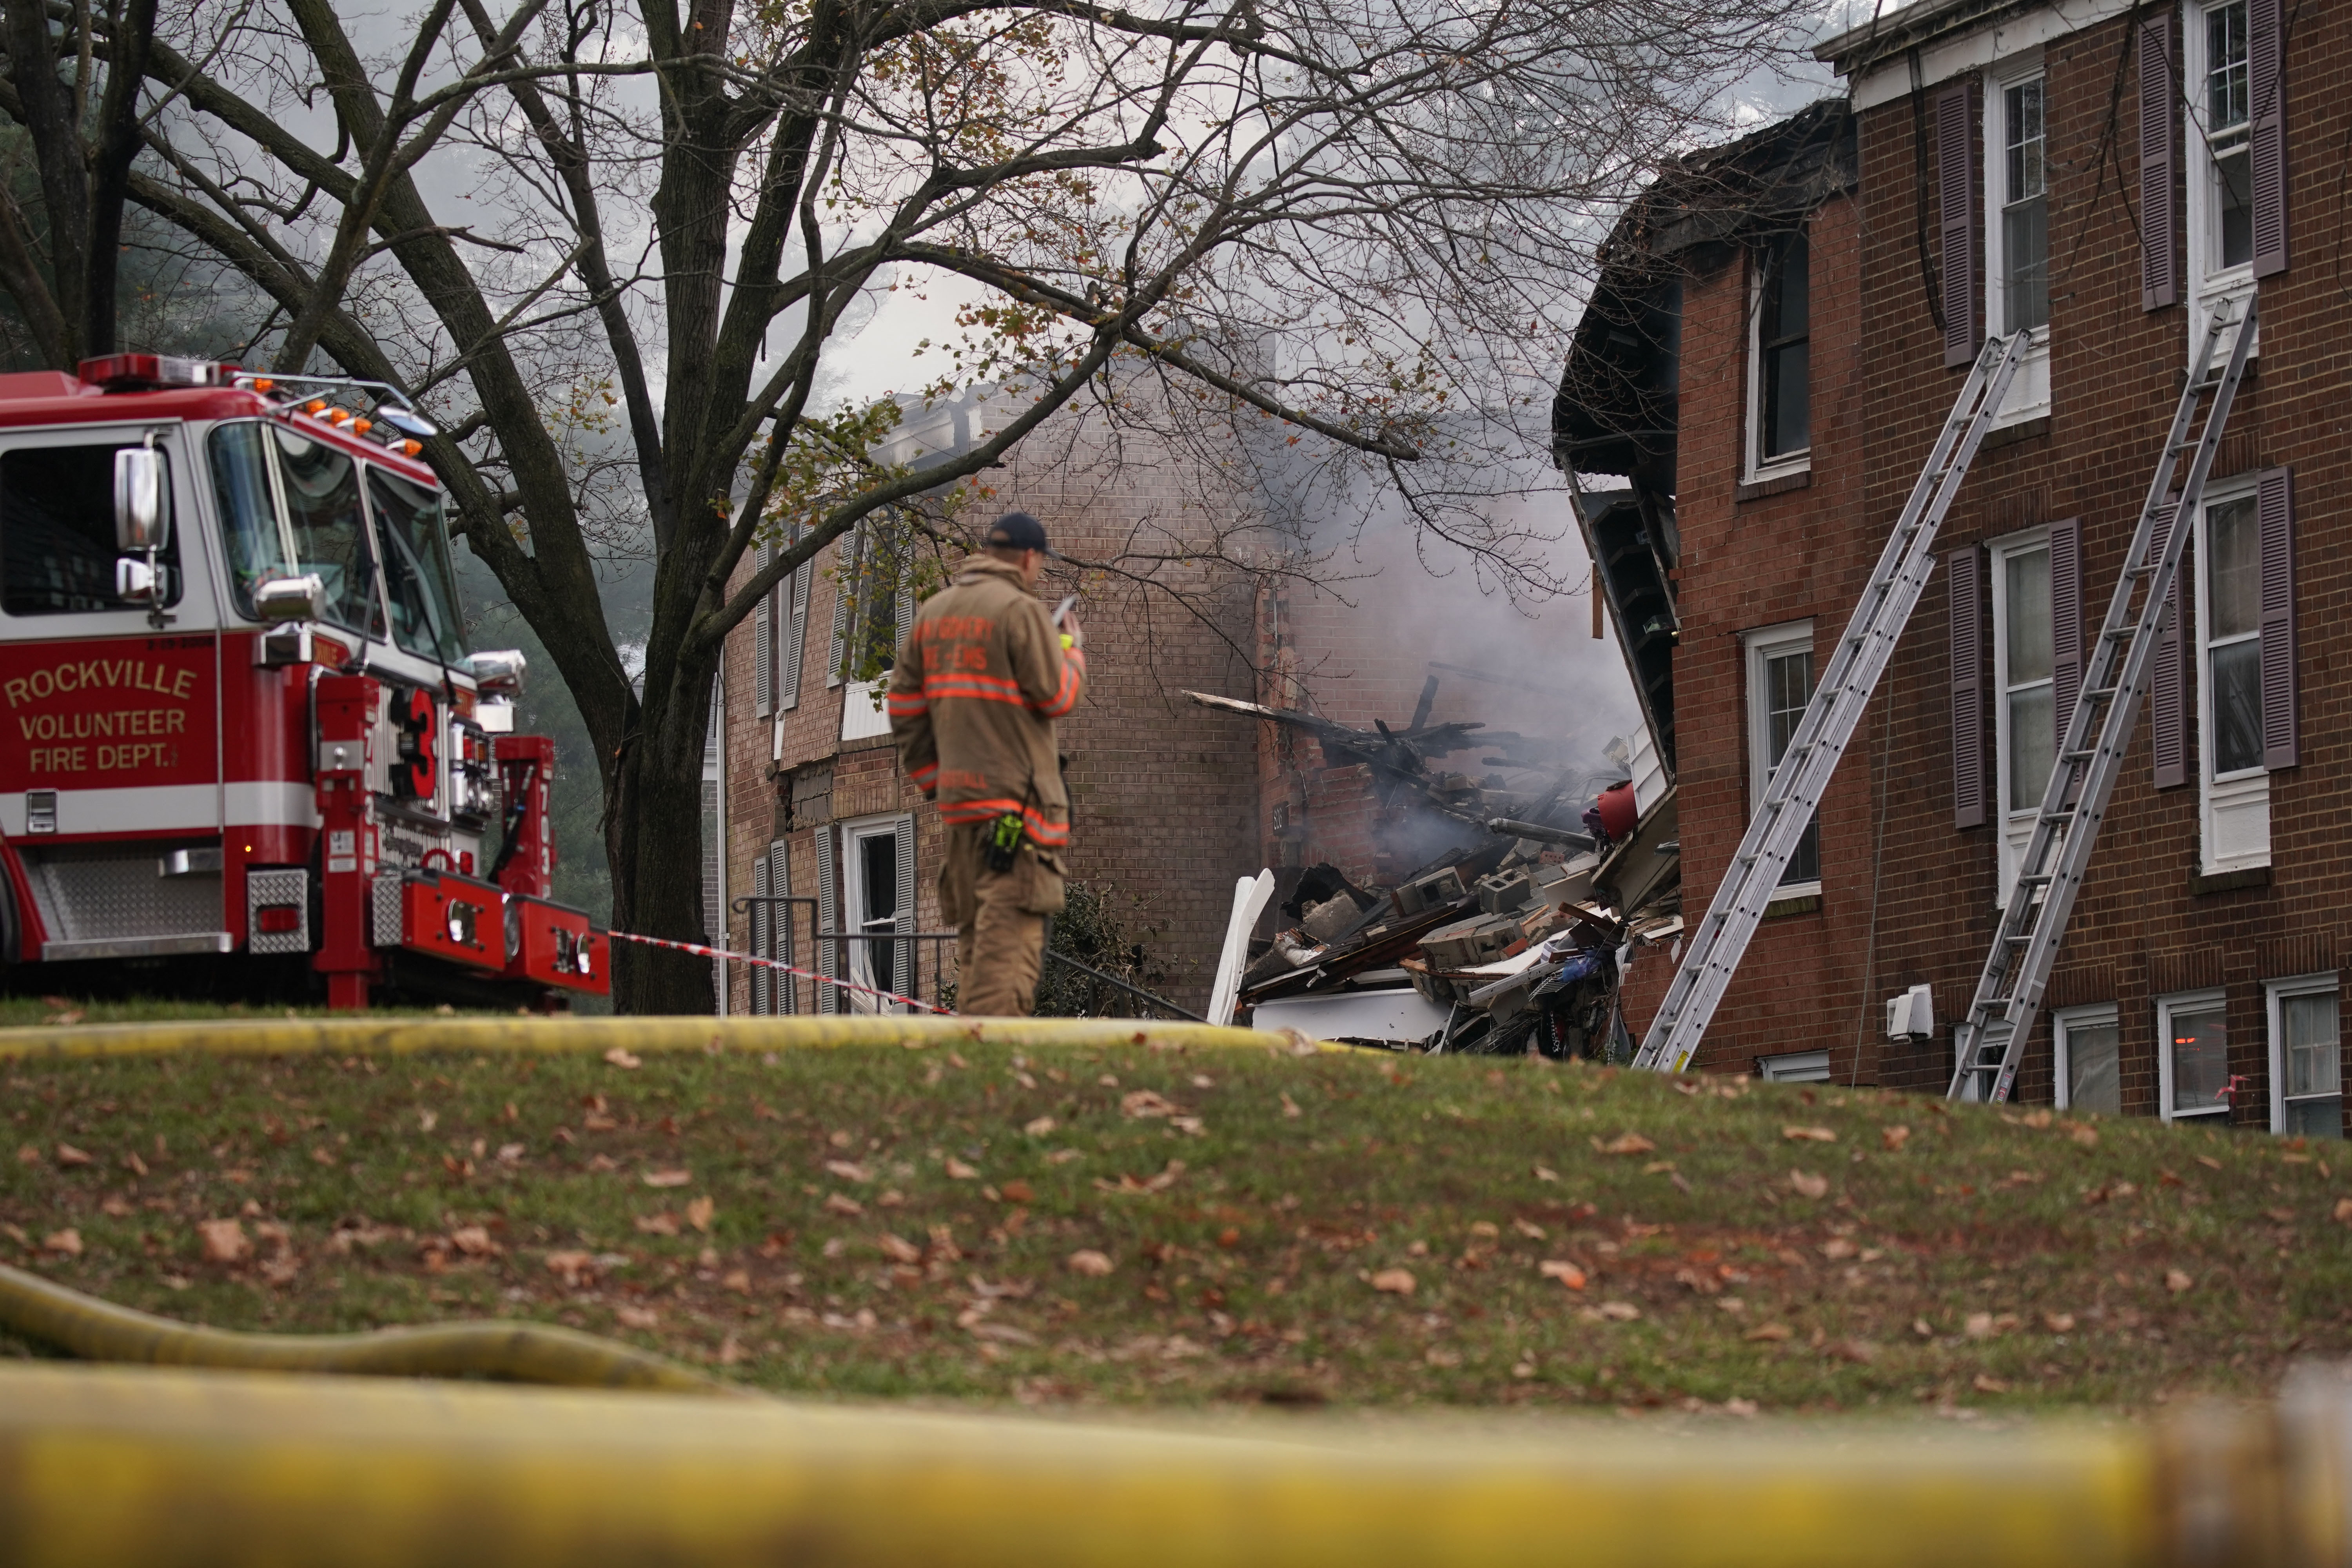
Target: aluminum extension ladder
x=1990 y=1040
x=1838 y=701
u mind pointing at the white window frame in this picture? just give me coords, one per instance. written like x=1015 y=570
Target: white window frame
x=2015 y=828
x=2165 y=1007
x=2274 y=992
x=857 y=964
x=1800 y=462
x=2234 y=806
x=1797 y=1067
x=1761 y=645
x=2029 y=390
x=2209 y=284
x=2064 y=1022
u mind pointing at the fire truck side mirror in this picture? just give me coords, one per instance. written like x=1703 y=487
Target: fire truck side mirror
x=141 y=519
x=499 y=671
x=278 y=600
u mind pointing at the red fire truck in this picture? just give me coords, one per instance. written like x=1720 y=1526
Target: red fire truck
x=247 y=751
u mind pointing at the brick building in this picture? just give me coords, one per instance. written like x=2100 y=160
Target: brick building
x=2101 y=177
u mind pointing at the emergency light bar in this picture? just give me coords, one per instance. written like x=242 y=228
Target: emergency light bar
x=139 y=373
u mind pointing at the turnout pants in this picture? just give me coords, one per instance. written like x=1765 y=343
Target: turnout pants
x=999 y=920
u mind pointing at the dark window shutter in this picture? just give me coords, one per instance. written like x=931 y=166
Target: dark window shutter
x=828 y=911
x=2275 y=511
x=2266 y=81
x=2159 y=237
x=2065 y=619
x=2167 y=688
x=1955 y=195
x=1966 y=567
x=761 y=973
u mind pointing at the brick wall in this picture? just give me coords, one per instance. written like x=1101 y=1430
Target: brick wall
x=2138 y=928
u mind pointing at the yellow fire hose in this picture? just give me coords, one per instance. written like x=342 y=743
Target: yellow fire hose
x=378 y=1033
x=93 y=1330
x=111 y=1465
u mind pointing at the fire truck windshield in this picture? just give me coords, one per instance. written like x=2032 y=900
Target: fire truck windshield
x=416 y=575
x=57 y=531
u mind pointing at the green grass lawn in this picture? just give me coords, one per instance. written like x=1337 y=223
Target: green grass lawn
x=1142 y=1227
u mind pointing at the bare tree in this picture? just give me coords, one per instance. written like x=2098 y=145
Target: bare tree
x=1353 y=222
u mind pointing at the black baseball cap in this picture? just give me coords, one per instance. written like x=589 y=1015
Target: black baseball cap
x=1019 y=531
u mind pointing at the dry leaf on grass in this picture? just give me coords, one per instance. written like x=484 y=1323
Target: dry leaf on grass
x=474 y=1241
x=2088 y=1137
x=1393 y=1281
x=661 y=1224
x=1862 y=1353
x=1064 y=1156
x=1978 y=1325
x=2344 y=1209
x=1546 y=1174
x=638 y=1316
x=960 y=1171
x=69 y=1156
x=1144 y=1103
x=1567 y=1273
x=1040 y=1127
x=1620 y=1311
x=1986 y=1382
x=619 y=1056
x=1808 y=1135
x=699 y=1214
x=842 y=1202
x=1808 y=1184
x=849 y=1170
x=224 y=1241
x=1894 y=1138
x=1838 y=1247
x=571 y=1267
x=1624 y=1144
x=1528 y=1228
x=1017 y=1191
x=66 y=1243
x=1088 y=1262
x=1770 y=1332
x=2058 y=1323
x=898 y=1248
x=1290 y=1112
x=2206 y=1161
x=667 y=1178
x=2175 y=1281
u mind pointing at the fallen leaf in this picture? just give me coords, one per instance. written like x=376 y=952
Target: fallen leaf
x=849 y=1171
x=1838 y=1247
x=2058 y=1323
x=737 y=1280
x=1290 y=1111
x=1064 y=1156
x=597 y=1122
x=1144 y=1103
x=1017 y=1191
x=1528 y=1228
x=1042 y=1126
x=1987 y=1384
x=510 y=1153
x=667 y=1178
x=1191 y=1126
x=1624 y=1144
x=1738 y=1406
x=1862 y=1353
x=1808 y=1135
x=1978 y=1326
x=1620 y=1311
x=700 y=1213
x=619 y=1057
x=1088 y=1262
x=1545 y=1173
x=426 y=1121
x=473 y=1240
x=2210 y=1162
x=1393 y=1281
x=2175 y=1281
x=661 y=1224
x=1567 y=1273
x=66 y=1242
x=842 y=1202
x=1005 y=1333
x=1808 y=1185
x=898 y=1248
x=637 y=1317
x=570 y=1267
x=224 y=1241
x=2344 y=1209
x=28 y=1156
x=1770 y=1332
x=1894 y=1138
x=2088 y=1137
x=69 y=1156
x=960 y=1171
x=1921 y=1327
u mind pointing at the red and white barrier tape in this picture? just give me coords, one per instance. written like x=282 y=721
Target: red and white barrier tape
x=700 y=951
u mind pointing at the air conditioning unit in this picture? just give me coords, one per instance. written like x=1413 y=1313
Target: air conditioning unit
x=1912 y=1016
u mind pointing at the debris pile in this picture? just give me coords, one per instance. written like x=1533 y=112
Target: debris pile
x=1514 y=938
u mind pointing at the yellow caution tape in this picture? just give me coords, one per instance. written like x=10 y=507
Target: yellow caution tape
x=116 y=1466
x=95 y=1330
x=377 y=1034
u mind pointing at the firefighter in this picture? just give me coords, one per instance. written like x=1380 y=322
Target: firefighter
x=973 y=698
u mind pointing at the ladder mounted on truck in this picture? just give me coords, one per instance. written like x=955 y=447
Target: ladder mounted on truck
x=1990 y=1039
x=1838 y=698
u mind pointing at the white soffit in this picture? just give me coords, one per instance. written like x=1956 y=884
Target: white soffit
x=2009 y=35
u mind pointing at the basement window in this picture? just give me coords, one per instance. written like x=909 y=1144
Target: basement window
x=2307 y=1057
x=2192 y=1055
x=2089 y=1068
